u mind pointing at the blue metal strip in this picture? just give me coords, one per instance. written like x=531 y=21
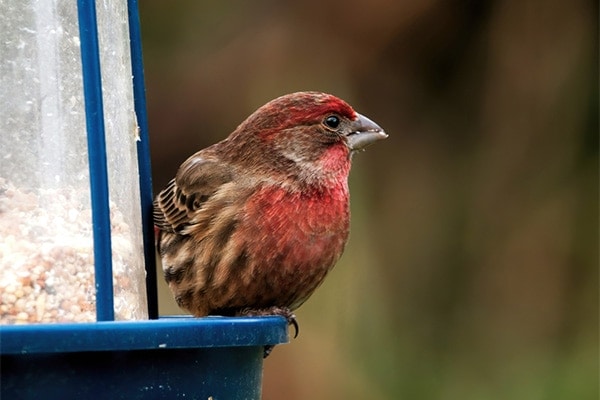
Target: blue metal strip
x=94 y=118
x=143 y=150
x=164 y=333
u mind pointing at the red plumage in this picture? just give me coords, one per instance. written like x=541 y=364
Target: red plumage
x=252 y=224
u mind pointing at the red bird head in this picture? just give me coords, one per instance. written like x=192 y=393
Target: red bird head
x=315 y=133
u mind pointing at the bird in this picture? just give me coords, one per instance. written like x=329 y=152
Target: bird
x=251 y=225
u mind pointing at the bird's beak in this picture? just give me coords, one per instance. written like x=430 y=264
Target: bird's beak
x=363 y=133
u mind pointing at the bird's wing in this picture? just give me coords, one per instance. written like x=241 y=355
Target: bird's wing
x=197 y=180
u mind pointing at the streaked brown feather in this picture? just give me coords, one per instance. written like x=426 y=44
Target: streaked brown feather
x=197 y=180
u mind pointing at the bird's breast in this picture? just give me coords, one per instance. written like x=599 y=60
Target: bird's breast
x=298 y=230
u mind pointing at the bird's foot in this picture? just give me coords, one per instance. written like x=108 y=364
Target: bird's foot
x=280 y=311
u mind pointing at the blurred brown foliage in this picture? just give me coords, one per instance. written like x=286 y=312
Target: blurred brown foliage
x=472 y=269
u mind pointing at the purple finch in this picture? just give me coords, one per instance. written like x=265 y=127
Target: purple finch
x=252 y=225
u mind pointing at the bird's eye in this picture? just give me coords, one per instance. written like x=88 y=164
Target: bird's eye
x=332 y=121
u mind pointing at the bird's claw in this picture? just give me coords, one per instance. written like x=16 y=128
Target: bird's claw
x=284 y=312
x=289 y=316
x=292 y=321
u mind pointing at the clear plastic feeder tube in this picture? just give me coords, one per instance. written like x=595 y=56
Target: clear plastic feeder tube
x=46 y=241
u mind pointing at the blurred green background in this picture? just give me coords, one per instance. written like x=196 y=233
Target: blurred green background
x=472 y=267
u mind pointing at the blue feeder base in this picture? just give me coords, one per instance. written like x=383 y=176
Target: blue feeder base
x=207 y=358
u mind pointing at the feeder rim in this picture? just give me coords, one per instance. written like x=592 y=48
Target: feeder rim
x=176 y=332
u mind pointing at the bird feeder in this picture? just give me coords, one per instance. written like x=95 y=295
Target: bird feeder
x=78 y=310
